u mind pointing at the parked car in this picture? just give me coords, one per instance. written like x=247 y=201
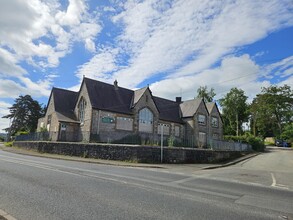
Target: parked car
x=282 y=143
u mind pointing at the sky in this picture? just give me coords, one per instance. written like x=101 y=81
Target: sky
x=174 y=46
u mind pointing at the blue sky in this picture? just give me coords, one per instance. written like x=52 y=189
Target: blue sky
x=174 y=46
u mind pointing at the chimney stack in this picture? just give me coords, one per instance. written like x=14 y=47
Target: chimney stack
x=178 y=99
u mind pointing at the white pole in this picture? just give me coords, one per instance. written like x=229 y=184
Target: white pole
x=162 y=143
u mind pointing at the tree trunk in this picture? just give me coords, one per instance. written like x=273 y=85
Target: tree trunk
x=237 y=125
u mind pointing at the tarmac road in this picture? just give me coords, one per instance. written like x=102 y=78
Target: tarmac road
x=43 y=188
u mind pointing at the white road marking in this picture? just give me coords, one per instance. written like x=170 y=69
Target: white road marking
x=113 y=177
x=275 y=184
x=274 y=180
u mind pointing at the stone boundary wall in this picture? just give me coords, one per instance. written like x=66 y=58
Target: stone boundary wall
x=141 y=154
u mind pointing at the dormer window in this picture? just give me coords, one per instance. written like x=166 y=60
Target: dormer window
x=81 y=110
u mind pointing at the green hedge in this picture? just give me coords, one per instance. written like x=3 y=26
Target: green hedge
x=256 y=143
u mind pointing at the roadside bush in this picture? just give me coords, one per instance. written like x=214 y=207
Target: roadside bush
x=287 y=133
x=21 y=133
x=8 y=144
x=256 y=143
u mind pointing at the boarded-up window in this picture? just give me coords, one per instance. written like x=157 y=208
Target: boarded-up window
x=81 y=110
x=177 y=131
x=202 y=137
x=215 y=136
x=166 y=129
x=201 y=119
x=215 y=122
x=49 y=119
x=146 y=120
x=124 y=123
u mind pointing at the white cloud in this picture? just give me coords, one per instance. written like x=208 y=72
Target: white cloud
x=186 y=37
x=73 y=14
x=99 y=66
x=240 y=72
x=35 y=19
x=4 y=122
x=8 y=64
x=40 y=33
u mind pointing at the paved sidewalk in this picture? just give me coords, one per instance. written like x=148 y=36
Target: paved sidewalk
x=192 y=167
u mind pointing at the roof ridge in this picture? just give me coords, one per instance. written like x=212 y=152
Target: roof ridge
x=67 y=90
x=108 y=84
x=165 y=99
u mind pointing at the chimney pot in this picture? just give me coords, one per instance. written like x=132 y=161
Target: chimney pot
x=178 y=99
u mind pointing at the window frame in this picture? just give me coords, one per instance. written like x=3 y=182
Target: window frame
x=215 y=125
x=146 y=117
x=81 y=110
x=200 y=122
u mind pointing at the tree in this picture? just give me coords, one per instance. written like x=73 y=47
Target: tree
x=24 y=114
x=202 y=92
x=235 y=111
x=287 y=133
x=271 y=110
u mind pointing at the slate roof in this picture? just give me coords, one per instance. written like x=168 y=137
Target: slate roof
x=169 y=110
x=189 y=108
x=64 y=102
x=104 y=96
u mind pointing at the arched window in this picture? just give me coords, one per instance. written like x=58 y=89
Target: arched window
x=146 y=119
x=81 y=110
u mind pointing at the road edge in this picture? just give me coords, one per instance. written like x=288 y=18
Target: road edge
x=232 y=162
x=6 y=216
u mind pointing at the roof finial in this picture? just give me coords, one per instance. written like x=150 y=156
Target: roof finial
x=116 y=84
x=83 y=75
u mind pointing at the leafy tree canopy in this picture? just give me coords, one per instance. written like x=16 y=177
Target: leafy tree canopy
x=202 y=92
x=24 y=114
x=235 y=111
x=271 y=110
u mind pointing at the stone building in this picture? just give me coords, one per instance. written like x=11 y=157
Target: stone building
x=106 y=113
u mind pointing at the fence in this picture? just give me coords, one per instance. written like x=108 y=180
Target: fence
x=229 y=145
x=136 y=139
x=37 y=136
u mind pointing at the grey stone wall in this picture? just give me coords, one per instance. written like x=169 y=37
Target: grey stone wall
x=85 y=127
x=143 y=154
x=53 y=128
x=201 y=128
x=218 y=130
x=146 y=101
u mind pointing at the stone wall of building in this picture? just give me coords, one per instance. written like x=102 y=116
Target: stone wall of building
x=85 y=127
x=201 y=128
x=215 y=132
x=143 y=154
x=146 y=101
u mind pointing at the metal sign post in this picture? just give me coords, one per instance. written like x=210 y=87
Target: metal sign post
x=162 y=143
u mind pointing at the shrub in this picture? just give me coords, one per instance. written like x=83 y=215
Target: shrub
x=8 y=144
x=256 y=143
